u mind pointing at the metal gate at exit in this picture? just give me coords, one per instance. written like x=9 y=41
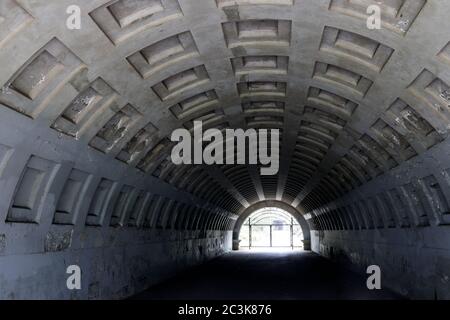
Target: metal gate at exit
x=271 y=228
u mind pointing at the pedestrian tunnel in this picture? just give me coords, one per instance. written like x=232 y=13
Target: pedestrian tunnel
x=92 y=91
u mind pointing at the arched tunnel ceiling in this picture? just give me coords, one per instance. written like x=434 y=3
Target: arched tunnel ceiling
x=100 y=103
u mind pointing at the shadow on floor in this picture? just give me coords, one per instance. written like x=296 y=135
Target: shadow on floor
x=245 y=275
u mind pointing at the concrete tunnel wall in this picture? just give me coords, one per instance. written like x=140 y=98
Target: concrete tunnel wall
x=86 y=116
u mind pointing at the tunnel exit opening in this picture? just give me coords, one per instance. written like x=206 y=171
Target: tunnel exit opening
x=271 y=228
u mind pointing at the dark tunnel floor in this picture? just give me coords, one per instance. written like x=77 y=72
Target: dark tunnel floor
x=266 y=276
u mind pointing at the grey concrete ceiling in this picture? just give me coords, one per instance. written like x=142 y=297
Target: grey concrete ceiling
x=96 y=106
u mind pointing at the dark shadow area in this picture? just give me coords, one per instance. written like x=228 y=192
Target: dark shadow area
x=295 y=275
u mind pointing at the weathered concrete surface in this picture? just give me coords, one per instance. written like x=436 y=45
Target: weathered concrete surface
x=85 y=117
x=127 y=264
x=409 y=236
x=415 y=266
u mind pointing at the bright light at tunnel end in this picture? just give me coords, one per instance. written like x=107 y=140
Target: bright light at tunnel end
x=270 y=229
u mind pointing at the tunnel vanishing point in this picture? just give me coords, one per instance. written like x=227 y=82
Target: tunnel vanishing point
x=91 y=92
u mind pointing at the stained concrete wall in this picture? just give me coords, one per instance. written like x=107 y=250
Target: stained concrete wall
x=114 y=265
x=398 y=221
x=46 y=226
x=411 y=263
x=89 y=111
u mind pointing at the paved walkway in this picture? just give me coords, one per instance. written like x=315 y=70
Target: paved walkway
x=266 y=275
